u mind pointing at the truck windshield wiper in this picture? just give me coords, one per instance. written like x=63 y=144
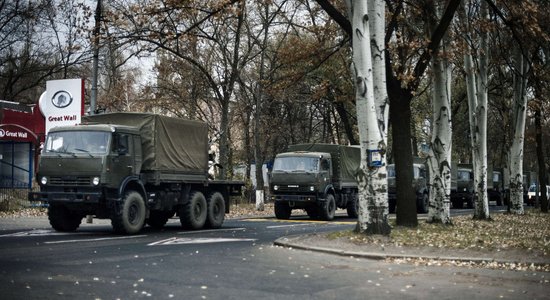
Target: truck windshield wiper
x=85 y=151
x=59 y=152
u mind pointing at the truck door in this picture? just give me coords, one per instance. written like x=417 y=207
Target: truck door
x=122 y=156
x=325 y=173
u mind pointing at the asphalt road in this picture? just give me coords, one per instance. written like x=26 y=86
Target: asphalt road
x=237 y=261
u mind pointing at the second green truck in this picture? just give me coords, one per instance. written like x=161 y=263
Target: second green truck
x=317 y=178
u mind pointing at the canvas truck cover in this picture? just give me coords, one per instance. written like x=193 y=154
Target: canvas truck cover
x=346 y=160
x=168 y=144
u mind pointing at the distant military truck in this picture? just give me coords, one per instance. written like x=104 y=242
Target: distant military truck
x=462 y=185
x=420 y=185
x=495 y=186
x=317 y=178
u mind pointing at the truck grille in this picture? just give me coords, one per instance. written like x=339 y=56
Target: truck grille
x=71 y=181
x=295 y=189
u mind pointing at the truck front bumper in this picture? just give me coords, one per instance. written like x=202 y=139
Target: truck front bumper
x=296 y=198
x=65 y=197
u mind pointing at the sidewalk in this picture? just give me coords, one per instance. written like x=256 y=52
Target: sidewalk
x=320 y=242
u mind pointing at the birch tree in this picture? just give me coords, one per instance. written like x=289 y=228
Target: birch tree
x=402 y=85
x=477 y=93
x=518 y=131
x=368 y=23
x=439 y=155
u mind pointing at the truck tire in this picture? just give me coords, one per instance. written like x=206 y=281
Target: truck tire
x=312 y=212
x=282 y=210
x=128 y=215
x=157 y=219
x=353 y=208
x=193 y=213
x=215 y=210
x=328 y=208
x=423 y=204
x=61 y=218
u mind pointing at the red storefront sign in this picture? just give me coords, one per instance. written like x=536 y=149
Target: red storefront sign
x=22 y=126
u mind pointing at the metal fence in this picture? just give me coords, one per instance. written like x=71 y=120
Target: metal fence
x=14 y=199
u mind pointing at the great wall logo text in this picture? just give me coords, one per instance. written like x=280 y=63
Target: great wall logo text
x=13 y=134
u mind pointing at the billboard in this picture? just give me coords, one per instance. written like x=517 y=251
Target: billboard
x=63 y=102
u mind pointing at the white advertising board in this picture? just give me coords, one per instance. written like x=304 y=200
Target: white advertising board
x=63 y=102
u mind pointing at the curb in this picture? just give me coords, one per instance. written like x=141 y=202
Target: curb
x=284 y=242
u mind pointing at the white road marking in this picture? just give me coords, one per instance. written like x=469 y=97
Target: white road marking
x=187 y=241
x=96 y=239
x=213 y=230
x=36 y=232
x=292 y=225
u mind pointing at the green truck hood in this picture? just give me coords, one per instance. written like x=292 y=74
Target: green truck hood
x=59 y=166
x=293 y=178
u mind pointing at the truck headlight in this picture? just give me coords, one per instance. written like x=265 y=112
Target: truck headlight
x=275 y=187
x=312 y=188
x=95 y=181
x=44 y=180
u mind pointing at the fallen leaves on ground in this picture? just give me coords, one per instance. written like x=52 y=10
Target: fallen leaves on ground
x=528 y=233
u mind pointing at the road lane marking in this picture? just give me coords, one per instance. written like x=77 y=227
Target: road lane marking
x=96 y=239
x=188 y=241
x=213 y=230
x=291 y=225
x=302 y=221
x=38 y=232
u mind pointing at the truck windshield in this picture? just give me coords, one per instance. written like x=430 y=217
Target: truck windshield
x=463 y=175
x=296 y=164
x=72 y=142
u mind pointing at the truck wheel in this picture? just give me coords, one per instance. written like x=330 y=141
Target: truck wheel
x=61 y=218
x=353 y=208
x=312 y=212
x=328 y=208
x=157 y=219
x=128 y=215
x=215 y=210
x=423 y=204
x=193 y=213
x=282 y=210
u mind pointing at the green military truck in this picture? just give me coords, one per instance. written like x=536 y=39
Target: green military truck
x=462 y=185
x=420 y=184
x=317 y=178
x=133 y=169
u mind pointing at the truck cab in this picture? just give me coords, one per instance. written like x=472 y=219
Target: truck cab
x=420 y=184
x=83 y=167
x=314 y=180
x=462 y=185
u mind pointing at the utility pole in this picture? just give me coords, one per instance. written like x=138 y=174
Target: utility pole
x=95 y=44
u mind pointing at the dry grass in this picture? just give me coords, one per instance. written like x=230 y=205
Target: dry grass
x=530 y=232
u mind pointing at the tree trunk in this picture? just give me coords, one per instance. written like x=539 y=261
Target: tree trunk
x=258 y=155
x=540 y=159
x=518 y=134
x=476 y=82
x=372 y=179
x=400 y=114
x=439 y=157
